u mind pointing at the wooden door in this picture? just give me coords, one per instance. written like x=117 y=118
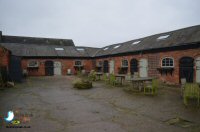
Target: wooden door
x=49 y=68
x=112 y=66
x=198 y=70
x=143 y=68
x=57 y=68
x=186 y=65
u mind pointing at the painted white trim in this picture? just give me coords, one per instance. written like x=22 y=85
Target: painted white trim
x=167 y=66
x=122 y=62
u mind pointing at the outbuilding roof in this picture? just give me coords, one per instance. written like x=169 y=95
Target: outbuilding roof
x=36 y=40
x=32 y=50
x=44 y=47
x=186 y=36
x=48 y=47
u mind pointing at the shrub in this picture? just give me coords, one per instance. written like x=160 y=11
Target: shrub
x=82 y=84
x=112 y=79
x=191 y=91
x=106 y=78
x=92 y=76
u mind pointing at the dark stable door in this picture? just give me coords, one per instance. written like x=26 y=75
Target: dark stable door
x=15 y=70
x=134 y=66
x=105 y=66
x=186 y=68
x=49 y=68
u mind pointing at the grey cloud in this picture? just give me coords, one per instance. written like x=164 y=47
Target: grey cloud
x=96 y=22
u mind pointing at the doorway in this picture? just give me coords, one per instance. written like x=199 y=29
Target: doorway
x=105 y=66
x=49 y=68
x=15 y=69
x=143 y=68
x=198 y=70
x=57 y=68
x=112 y=67
x=186 y=66
x=134 y=66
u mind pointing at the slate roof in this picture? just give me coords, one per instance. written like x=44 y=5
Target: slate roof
x=186 y=36
x=45 y=47
x=36 y=40
x=32 y=50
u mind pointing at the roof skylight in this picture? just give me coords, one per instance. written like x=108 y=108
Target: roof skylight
x=59 y=49
x=80 y=49
x=105 y=48
x=162 y=37
x=116 y=46
x=136 y=42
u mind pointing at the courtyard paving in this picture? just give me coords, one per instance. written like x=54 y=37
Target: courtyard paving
x=57 y=107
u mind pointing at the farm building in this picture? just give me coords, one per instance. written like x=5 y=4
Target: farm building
x=4 y=63
x=169 y=56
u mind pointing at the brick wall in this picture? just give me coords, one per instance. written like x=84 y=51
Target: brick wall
x=154 y=62
x=4 y=57
x=66 y=64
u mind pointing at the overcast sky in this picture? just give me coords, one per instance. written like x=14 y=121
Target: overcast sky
x=96 y=22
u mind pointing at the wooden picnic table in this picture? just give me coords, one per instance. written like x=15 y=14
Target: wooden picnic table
x=99 y=74
x=122 y=78
x=139 y=82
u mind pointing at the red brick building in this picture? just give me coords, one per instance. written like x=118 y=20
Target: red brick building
x=169 y=56
x=4 y=57
x=4 y=54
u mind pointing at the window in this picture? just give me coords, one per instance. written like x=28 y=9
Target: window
x=116 y=46
x=162 y=37
x=99 y=63
x=78 y=63
x=59 y=49
x=33 y=64
x=136 y=42
x=124 y=63
x=168 y=62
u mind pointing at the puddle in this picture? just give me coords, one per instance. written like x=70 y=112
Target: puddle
x=179 y=122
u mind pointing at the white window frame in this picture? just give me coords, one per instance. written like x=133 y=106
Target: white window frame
x=122 y=63
x=99 y=63
x=31 y=61
x=169 y=62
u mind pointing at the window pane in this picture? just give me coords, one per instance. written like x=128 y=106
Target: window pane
x=78 y=63
x=124 y=63
x=167 y=62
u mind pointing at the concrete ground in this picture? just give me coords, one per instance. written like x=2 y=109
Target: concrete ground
x=57 y=107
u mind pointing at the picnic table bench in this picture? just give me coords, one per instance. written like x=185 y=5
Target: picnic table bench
x=138 y=83
x=122 y=78
x=99 y=74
